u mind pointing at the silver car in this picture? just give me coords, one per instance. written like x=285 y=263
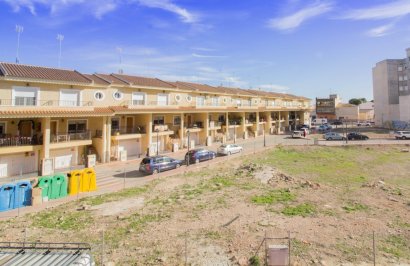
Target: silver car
x=402 y=134
x=228 y=149
x=333 y=136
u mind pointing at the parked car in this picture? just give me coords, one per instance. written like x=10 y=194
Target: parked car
x=156 y=164
x=319 y=121
x=299 y=127
x=356 y=136
x=333 y=136
x=297 y=134
x=228 y=149
x=402 y=134
x=365 y=124
x=337 y=123
x=324 y=127
x=198 y=155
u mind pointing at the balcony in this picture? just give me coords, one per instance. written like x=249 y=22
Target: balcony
x=128 y=130
x=32 y=101
x=70 y=136
x=18 y=141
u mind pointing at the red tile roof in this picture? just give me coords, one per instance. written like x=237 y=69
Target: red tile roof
x=54 y=112
x=198 y=87
x=97 y=80
x=36 y=72
x=145 y=82
x=111 y=79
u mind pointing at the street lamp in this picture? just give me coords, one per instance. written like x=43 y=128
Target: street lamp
x=157 y=130
x=187 y=134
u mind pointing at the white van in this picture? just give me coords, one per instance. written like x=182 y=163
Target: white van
x=319 y=121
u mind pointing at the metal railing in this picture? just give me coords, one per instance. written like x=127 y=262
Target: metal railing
x=17 y=141
x=128 y=130
x=70 y=136
x=32 y=101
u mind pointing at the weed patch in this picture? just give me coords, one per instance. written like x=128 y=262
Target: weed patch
x=58 y=220
x=274 y=196
x=398 y=246
x=355 y=206
x=305 y=209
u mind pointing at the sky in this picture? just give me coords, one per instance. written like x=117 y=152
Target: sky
x=305 y=47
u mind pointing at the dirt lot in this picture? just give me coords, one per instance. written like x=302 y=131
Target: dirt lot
x=330 y=199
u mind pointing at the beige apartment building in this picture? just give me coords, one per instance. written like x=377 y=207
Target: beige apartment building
x=391 y=91
x=65 y=115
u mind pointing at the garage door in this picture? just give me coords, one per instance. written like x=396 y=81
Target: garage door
x=132 y=147
x=64 y=158
x=11 y=165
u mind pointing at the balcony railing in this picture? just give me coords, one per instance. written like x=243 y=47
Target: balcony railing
x=128 y=130
x=70 y=136
x=31 y=101
x=17 y=141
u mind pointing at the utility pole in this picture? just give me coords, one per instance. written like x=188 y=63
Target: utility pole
x=19 y=30
x=60 y=39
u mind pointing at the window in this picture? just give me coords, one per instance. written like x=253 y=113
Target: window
x=77 y=126
x=177 y=97
x=189 y=98
x=138 y=98
x=238 y=102
x=405 y=77
x=400 y=88
x=400 y=78
x=159 y=120
x=117 y=95
x=200 y=100
x=177 y=120
x=266 y=102
x=115 y=124
x=400 y=68
x=406 y=88
x=162 y=99
x=99 y=96
x=2 y=128
x=215 y=101
x=70 y=98
x=249 y=102
x=25 y=96
x=272 y=103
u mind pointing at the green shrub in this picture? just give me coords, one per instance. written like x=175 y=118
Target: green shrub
x=305 y=209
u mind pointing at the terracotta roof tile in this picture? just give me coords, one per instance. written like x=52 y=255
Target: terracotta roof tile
x=144 y=81
x=96 y=79
x=54 y=112
x=198 y=87
x=36 y=72
x=111 y=79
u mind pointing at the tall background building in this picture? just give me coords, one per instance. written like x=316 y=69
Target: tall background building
x=391 y=92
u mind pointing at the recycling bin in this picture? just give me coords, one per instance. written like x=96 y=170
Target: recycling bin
x=59 y=186
x=44 y=183
x=7 y=193
x=89 y=180
x=74 y=181
x=22 y=194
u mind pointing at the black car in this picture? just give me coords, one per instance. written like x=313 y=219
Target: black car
x=197 y=155
x=356 y=136
x=337 y=123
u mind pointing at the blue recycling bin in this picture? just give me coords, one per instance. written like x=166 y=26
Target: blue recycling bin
x=22 y=195
x=7 y=193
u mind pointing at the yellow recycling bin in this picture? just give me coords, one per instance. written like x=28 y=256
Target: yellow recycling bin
x=89 y=180
x=74 y=181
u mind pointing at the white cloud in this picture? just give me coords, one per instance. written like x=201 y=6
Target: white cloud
x=296 y=19
x=207 y=56
x=274 y=87
x=380 y=31
x=391 y=10
x=184 y=14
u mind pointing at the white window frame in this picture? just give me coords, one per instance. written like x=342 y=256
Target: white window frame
x=189 y=98
x=117 y=119
x=405 y=77
x=198 y=98
x=178 y=98
x=163 y=94
x=273 y=103
x=238 y=102
x=71 y=90
x=86 y=123
x=215 y=101
x=144 y=95
x=118 y=99
x=400 y=78
x=400 y=68
x=173 y=120
x=16 y=88
x=103 y=95
x=156 y=116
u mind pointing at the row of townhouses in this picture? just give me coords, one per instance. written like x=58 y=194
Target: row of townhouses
x=64 y=115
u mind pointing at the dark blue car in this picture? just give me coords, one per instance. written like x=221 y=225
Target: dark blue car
x=157 y=164
x=198 y=155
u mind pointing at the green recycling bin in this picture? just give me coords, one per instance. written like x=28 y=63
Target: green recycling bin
x=58 y=186
x=44 y=183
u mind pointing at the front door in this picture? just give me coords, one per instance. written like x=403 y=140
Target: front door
x=26 y=128
x=130 y=124
x=53 y=128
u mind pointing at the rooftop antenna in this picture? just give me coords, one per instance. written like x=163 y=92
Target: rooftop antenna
x=19 y=30
x=119 y=50
x=60 y=39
